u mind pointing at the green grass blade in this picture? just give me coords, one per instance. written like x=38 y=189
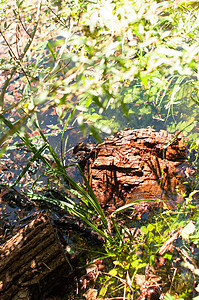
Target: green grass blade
x=73 y=208
x=66 y=124
x=176 y=135
x=130 y=205
x=12 y=128
x=32 y=160
x=52 y=151
x=117 y=230
x=195 y=100
x=25 y=139
x=93 y=199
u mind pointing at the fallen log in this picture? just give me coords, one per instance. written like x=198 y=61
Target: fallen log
x=32 y=261
x=134 y=164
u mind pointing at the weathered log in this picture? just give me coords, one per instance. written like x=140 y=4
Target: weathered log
x=32 y=261
x=13 y=206
x=14 y=197
x=135 y=164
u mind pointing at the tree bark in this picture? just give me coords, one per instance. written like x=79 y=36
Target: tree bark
x=32 y=261
x=135 y=164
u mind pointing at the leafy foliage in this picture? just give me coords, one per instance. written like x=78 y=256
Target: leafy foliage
x=142 y=248
x=138 y=56
x=107 y=65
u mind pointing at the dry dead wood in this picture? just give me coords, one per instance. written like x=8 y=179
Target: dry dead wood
x=32 y=261
x=135 y=164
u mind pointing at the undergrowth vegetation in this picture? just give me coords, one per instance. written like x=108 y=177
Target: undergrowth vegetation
x=107 y=65
x=159 y=253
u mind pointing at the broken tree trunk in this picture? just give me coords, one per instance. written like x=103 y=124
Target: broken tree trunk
x=134 y=164
x=32 y=261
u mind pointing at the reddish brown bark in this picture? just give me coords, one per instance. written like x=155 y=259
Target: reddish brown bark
x=32 y=258
x=135 y=164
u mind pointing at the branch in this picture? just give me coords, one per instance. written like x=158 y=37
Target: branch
x=6 y=83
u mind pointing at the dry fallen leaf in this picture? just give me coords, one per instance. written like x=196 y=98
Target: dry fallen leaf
x=91 y=294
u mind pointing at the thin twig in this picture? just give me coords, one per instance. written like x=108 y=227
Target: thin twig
x=13 y=54
x=124 y=295
x=58 y=17
x=174 y=274
x=7 y=81
x=174 y=236
x=23 y=25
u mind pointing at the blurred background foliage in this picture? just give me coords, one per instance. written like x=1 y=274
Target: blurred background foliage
x=118 y=63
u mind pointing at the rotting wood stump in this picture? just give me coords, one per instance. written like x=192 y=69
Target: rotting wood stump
x=132 y=165
x=32 y=261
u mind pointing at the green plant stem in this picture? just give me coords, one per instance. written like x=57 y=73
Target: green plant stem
x=6 y=83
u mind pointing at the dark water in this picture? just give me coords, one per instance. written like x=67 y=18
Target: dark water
x=16 y=158
x=142 y=112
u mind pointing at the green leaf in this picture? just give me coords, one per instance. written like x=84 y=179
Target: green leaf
x=137 y=264
x=150 y=227
x=187 y=230
x=51 y=50
x=168 y=256
x=113 y=272
x=95 y=133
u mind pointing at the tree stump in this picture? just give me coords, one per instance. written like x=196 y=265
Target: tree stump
x=32 y=261
x=134 y=164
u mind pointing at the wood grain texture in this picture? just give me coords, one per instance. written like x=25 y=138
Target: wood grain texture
x=32 y=258
x=132 y=165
